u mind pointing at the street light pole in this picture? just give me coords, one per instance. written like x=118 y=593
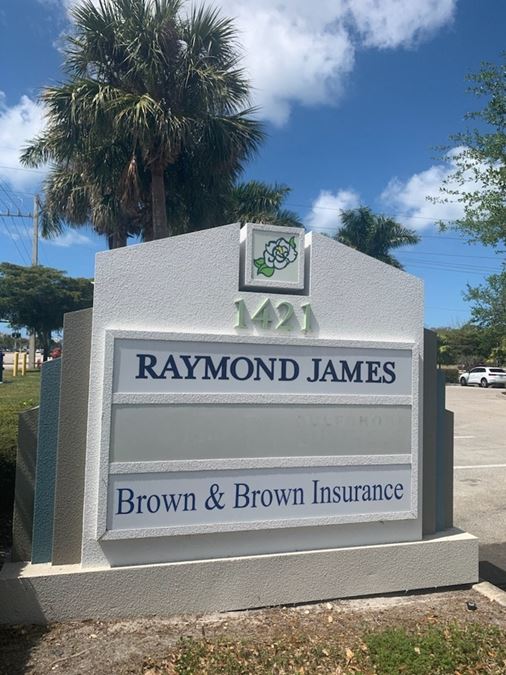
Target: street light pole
x=35 y=261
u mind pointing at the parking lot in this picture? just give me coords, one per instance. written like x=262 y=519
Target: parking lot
x=480 y=473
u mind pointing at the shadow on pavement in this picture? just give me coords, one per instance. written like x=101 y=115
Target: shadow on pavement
x=493 y=564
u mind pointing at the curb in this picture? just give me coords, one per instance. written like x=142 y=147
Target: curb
x=491 y=592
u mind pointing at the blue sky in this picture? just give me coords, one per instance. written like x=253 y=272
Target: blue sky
x=355 y=95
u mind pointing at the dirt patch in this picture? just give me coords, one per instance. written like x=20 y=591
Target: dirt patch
x=137 y=646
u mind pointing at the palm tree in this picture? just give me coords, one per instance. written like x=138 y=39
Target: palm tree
x=258 y=202
x=160 y=85
x=92 y=188
x=374 y=235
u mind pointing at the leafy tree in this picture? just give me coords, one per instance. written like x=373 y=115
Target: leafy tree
x=374 y=235
x=36 y=298
x=489 y=308
x=466 y=345
x=479 y=181
x=158 y=83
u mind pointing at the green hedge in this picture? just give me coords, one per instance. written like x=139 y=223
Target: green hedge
x=451 y=374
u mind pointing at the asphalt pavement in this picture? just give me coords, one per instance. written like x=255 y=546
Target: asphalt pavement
x=480 y=473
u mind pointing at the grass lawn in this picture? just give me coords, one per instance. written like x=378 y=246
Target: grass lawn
x=425 y=650
x=16 y=394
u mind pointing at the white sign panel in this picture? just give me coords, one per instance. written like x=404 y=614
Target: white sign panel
x=273 y=497
x=156 y=366
x=153 y=433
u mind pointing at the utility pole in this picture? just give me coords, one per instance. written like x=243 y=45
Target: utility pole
x=35 y=261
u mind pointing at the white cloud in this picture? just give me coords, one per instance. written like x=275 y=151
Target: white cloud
x=325 y=214
x=411 y=199
x=71 y=238
x=393 y=23
x=301 y=51
x=18 y=124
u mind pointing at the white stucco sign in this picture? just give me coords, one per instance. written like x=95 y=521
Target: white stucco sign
x=253 y=436
x=280 y=396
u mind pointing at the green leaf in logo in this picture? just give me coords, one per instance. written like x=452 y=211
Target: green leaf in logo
x=266 y=271
x=292 y=242
x=259 y=262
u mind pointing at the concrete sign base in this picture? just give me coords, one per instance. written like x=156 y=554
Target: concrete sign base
x=43 y=593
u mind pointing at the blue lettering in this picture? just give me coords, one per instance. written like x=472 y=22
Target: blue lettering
x=241 y=496
x=284 y=370
x=146 y=367
x=122 y=500
x=218 y=372
x=153 y=499
x=261 y=365
x=316 y=374
x=191 y=368
x=377 y=490
x=249 y=365
x=171 y=502
x=283 y=496
x=329 y=371
x=170 y=367
x=389 y=488
x=388 y=368
x=372 y=371
x=399 y=488
x=354 y=375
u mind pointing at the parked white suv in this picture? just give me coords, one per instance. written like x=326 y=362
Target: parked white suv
x=484 y=377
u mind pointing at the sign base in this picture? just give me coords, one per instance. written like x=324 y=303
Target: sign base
x=42 y=593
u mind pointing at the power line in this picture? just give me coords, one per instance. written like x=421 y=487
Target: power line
x=448 y=255
x=21 y=234
x=321 y=230
x=447 y=309
x=336 y=210
x=9 y=233
x=441 y=269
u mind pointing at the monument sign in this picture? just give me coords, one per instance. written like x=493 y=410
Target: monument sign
x=255 y=419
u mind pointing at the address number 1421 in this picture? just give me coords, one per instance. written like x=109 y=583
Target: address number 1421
x=276 y=316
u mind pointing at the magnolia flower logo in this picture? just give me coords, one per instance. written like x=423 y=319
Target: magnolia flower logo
x=277 y=255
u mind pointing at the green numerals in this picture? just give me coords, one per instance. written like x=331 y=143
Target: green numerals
x=281 y=317
x=263 y=314
x=240 y=310
x=306 y=320
x=285 y=310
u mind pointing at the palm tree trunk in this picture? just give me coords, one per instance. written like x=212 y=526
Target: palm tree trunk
x=118 y=238
x=160 y=228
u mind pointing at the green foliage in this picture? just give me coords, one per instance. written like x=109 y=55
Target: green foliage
x=479 y=181
x=374 y=235
x=489 y=308
x=489 y=312
x=437 y=650
x=16 y=395
x=465 y=346
x=259 y=202
x=155 y=103
x=36 y=298
x=451 y=374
